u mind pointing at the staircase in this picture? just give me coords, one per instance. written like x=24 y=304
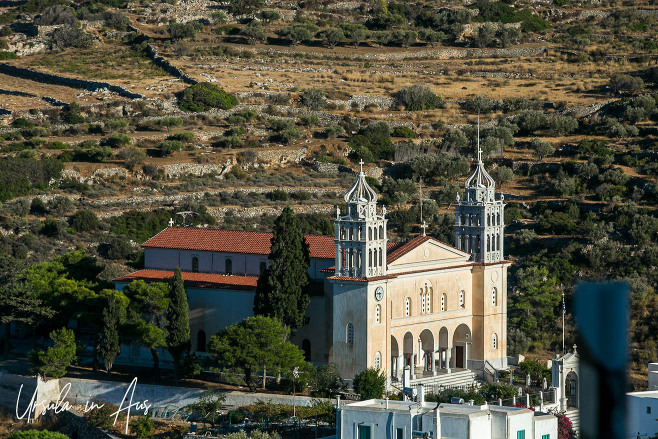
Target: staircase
x=457 y=378
x=574 y=417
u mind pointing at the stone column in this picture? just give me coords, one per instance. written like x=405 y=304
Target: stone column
x=400 y=366
x=448 y=360
x=433 y=363
x=466 y=355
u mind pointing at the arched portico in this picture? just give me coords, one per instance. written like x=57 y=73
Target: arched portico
x=444 y=349
x=408 y=353
x=461 y=342
x=427 y=352
x=397 y=360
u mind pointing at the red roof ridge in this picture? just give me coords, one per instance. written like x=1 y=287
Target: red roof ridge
x=198 y=279
x=406 y=248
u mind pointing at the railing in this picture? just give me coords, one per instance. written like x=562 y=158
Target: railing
x=536 y=400
x=489 y=373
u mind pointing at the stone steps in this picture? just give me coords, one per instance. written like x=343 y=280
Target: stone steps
x=574 y=417
x=462 y=378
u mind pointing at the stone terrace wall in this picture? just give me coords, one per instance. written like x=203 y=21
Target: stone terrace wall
x=168 y=67
x=48 y=78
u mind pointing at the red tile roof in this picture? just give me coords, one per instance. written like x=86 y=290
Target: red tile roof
x=232 y=241
x=199 y=280
x=406 y=248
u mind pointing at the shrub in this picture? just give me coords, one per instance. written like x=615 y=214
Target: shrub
x=402 y=131
x=7 y=55
x=370 y=383
x=132 y=157
x=204 y=96
x=531 y=121
x=620 y=83
x=541 y=148
x=313 y=99
x=119 y=248
x=418 y=97
x=37 y=207
x=36 y=434
x=297 y=33
x=168 y=147
x=102 y=416
x=180 y=31
x=70 y=36
x=71 y=114
x=373 y=142
x=85 y=221
x=142 y=427
x=309 y=120
x=60 y=205
x=117 y=140
x=182 y=137
x=502 y=174
x=278 y=195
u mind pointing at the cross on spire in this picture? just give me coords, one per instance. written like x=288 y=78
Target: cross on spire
x=424 y=226
x=361 y=164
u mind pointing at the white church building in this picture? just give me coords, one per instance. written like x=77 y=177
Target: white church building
x=423 y=303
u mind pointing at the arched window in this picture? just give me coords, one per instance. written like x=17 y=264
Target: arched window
x=494 y=341
x=378 y=314
x=306 y=347
x=262 y=267
x=370 y=233
x=462 y=299
x=195 y=264
x=443 y=302
x=380 y=235
x=422 y=302
x=497 y=242
x=494 y=297
x=407 y=307
x=498 y=219
x=370 y=257
x=342 y=232
x=350 y=334
x=228 y=266
x=380 y=258
x=378 y=360
x=201 y=341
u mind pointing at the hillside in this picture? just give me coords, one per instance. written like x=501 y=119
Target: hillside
x=138 y=110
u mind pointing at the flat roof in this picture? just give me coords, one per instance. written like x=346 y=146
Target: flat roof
x=651 y=394
x=456 y=409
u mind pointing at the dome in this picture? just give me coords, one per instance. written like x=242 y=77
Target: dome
x=480 y=178
x=361 y=192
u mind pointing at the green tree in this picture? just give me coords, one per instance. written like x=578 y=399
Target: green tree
x=370 y=383
x=418 y=97
x=563 y=124
x=254 y=32
x=210 y=403
x=205 y=96
x=245 y=7
x=541 y=148
x=536 y=300
x=313 y=99
x=72 y=114
x=178 y=315
x=147 y=323
x=297 y=33
x=55 y=359
x=110 y=347
x=269 y=16
x=256 y=343
x=282 y=289
x=19 y=305
x=327 y=381
x=354 y=32
x=485 y=35
x=331 y=37
x=85 y=221
x=502 y=174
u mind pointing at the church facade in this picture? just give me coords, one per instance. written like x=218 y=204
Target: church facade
x=374 y=303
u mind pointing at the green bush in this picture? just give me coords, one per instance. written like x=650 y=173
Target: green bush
x=55 y=359
x=18 y=177
x=85 y=221
x=117 y=140
x=36 y=434
x=204 y=96
x=102 y=416
x=418 y=97
x=7 y=55
x=182 y=137
x=403 y=131
x=142 y=427
x=168 y=147
x=373 y=143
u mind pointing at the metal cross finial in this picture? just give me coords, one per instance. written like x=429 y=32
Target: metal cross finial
x=424 y=226
x=361 y=164
x=171 y=222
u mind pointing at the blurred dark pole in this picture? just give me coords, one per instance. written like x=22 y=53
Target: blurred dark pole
x=601 y=314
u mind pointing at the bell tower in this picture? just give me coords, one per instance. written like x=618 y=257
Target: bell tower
x=479 y=220
x=360 y=234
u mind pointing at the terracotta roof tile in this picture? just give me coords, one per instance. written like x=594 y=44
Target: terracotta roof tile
x=406 y=248
x=199 y=280
x=232 y=241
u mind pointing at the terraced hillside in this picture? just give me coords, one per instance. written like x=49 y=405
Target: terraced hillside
x=120 y=114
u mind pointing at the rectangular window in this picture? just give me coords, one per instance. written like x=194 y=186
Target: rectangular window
x=364 y=432
x=399 y=433
x=648 y=410
x=545 y=436
x=195 y=264
x=520 y=434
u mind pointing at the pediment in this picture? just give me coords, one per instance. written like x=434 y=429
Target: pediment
x=429 y=252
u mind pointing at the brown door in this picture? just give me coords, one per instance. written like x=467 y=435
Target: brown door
x=459 y=357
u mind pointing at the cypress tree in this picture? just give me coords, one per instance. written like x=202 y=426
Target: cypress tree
x=110 y=345
x=282 y=290
x=178 y=315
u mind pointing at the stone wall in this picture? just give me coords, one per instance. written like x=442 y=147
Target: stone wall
x=48 y=78
x=167 y=66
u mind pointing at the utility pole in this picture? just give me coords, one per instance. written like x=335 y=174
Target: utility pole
x=564 y=312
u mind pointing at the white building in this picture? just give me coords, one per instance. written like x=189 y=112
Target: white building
x=385 y=419
x=642 y=409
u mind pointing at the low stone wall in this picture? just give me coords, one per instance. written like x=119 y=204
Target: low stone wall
x=48 y=78
x=168 y=67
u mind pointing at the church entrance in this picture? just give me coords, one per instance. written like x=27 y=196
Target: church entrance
x=459 y=357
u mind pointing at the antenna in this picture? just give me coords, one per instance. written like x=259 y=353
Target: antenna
x=185 y=214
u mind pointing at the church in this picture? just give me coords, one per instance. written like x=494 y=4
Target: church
x=422 y=304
